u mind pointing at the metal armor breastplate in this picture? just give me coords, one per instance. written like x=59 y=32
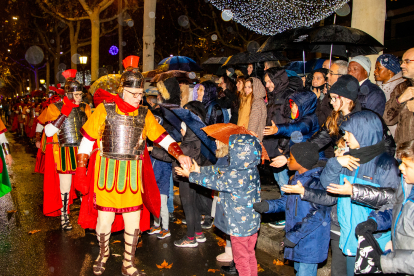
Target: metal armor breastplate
x=122 y=137
x=69 y=134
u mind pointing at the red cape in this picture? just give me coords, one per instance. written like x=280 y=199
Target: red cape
x=32 y=130
x=15 y=124
x=88 y=215
x=40 y=162
x=52 y=201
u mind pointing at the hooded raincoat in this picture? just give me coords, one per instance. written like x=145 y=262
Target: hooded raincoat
x=238 y=184
x=380 y=171
x=306 y=124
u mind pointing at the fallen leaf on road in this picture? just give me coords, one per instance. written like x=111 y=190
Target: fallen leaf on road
x=259 y=268
x=178 y=221
x=221 y=242
x=34 y=231
x=139 y=243
x=11 y=211
x=116 y=242
x=287 y=262
x=116 y=255
x=213 y=270
x=164 y=265
x=278 y=262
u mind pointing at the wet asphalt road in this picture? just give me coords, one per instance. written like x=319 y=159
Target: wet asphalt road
x=55 y=252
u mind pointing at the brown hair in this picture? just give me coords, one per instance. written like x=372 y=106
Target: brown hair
x=245 y=99
x=222 y=150
x=406 y=150
x=332 y=121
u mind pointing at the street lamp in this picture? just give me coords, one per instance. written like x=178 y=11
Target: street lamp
x=28 y=88
x=83 y=60
x=42 y=81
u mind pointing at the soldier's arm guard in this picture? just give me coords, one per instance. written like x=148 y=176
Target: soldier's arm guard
x=59 y=121
x=82 y=160
x=175 y=150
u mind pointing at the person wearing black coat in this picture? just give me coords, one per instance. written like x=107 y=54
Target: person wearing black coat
x=214 y=113
x=228 y=98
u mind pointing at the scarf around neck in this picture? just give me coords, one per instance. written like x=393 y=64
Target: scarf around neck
x=366 y=154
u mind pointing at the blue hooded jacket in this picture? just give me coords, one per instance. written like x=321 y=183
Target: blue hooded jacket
x=381 y=171
x=306 y=124
x=238 y=184
x=307 y=224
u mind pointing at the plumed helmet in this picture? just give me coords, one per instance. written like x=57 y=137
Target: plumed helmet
x=71 y=84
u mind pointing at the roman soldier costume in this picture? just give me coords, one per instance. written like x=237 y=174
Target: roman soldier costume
x=64 y=121
x=5 y=185
x=120 y=168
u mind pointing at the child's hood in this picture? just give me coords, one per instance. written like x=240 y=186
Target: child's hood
x=365 y=126
x=245 y=151
x=306 y=102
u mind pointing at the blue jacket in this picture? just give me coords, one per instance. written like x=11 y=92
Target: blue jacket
x=303 y=127
x=372 y=97
x=162 y=172
x=307 y=224
x=238 y=184
x=381 y=171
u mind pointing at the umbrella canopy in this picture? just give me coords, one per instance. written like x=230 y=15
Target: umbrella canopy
x=222 y=132
x=208 y=146
x=285 y=40
x=240 y=58
x=213 y=65
x=180 y=63
x=180 y=75
x=346 y=41
x=266 y=56
x=215 y=61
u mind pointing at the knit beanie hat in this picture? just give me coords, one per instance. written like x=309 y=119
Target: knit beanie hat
x=390 y=62
x=363 y=61
x=346 y=86
x=306 y=154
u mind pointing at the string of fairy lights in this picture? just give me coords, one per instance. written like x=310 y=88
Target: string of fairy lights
x=269 y=17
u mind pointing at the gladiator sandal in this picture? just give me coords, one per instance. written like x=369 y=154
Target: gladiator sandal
x=99 y=265
x=64 y=218
x=133 y=246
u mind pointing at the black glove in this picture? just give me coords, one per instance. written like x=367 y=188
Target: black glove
x=261 y=207
x=368 y=256
x=368 y=226
x=288 y=243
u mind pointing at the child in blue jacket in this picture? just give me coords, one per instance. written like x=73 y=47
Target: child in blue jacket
x=307 y=224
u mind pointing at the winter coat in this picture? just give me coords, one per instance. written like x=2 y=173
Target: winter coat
x=277 y=111
x=307 y=224
x=371 y=97
x=230 y=101
x=162 y=172
x=238 y=184
x=396 y=113
x=323 y=108
x=245 y=109
x=215 y=114
x=306 y=124
x=257 y=120
x=381 y=171
x=399 y=217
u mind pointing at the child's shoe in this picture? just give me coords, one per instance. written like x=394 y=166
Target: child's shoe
x=186 y=242
x=227 y=256
x=231 y=269
x=165 y=233
x=278 y=224
x=200 y=238
x=154 y=230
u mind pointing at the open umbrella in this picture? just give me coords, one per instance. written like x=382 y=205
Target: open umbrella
x=240 y=58
x=180 y=75
x=266 y=56
x=213 y=65
x=345 y=41
x=222 y=132
x=180 y=63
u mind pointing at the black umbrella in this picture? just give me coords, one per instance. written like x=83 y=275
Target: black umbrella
x=240 y=58
x=285 y=41
x=345 y=41
x=213 y=65
x=266 y=56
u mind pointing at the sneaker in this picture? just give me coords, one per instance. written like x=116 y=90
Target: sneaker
x=230 y=269
x=200 y=238
x=164 y=234
x=172 y=217
x=278 y=224
x=186 y=242
x=154 y=230
x=208 y=223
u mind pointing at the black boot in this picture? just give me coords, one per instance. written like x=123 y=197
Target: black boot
x=231 y=269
